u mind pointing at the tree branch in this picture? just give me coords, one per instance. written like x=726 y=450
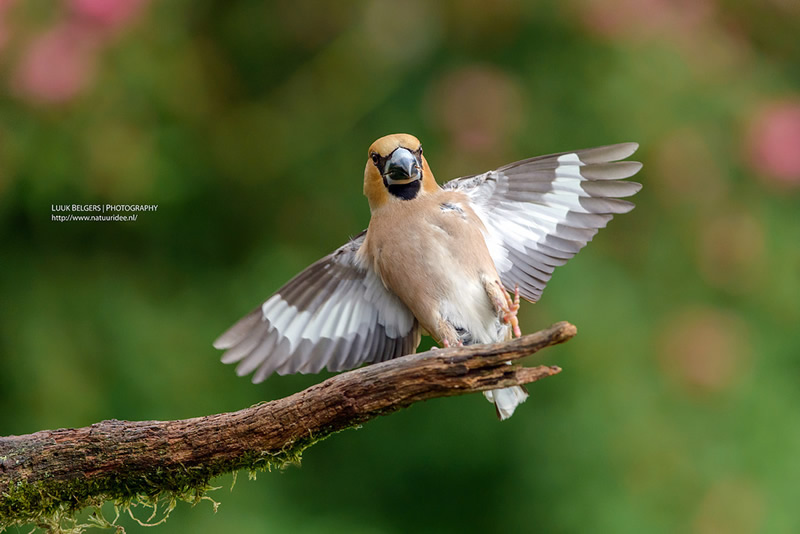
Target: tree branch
x=53 y=472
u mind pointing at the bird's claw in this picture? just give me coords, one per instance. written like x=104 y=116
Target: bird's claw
x=510 y=308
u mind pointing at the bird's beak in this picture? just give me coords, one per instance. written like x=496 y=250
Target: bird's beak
x=402 y=167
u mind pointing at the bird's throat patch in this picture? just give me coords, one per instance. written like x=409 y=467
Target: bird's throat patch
x=404 y=191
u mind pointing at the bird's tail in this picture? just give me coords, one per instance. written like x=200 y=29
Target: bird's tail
x=506 y=400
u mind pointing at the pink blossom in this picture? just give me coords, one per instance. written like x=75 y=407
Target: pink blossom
x=773 y=141
x=57 y=65
x=108 y=14
x=641 y=18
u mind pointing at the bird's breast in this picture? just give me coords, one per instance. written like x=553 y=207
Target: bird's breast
x=433 y=256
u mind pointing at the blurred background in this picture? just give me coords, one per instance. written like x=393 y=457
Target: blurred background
x=248 y=122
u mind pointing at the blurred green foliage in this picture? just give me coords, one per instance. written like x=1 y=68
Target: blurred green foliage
x=247 y=122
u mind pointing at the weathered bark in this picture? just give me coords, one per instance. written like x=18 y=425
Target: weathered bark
x=55 y=471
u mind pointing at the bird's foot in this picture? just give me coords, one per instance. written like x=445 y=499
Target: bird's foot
x=509 y=307
x=446 y=344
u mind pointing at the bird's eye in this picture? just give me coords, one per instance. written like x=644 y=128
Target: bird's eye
x=374 y=157
x=419 y=150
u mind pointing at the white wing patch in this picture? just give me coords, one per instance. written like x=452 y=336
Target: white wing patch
x=335 y=314
x=540 y=212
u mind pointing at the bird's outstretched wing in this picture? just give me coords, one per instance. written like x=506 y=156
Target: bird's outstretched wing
x=335 y=314
x=540 y=212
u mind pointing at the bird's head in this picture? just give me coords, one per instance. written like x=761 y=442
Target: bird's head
x=396 y=171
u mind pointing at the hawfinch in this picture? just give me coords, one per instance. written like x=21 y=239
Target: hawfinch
x=437 y=259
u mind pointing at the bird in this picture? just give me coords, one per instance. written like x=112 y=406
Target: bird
x=443 y=260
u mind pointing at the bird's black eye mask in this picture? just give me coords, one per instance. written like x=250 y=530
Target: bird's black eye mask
x=380 y=161
x=404 y=191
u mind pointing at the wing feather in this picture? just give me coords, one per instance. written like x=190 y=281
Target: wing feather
x=540 y=212
x=335 y=314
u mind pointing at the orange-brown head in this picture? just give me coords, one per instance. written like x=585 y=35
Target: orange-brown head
x=396 y=171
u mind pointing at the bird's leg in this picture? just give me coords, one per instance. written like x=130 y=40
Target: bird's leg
x=448 y=335
x=509 y=308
